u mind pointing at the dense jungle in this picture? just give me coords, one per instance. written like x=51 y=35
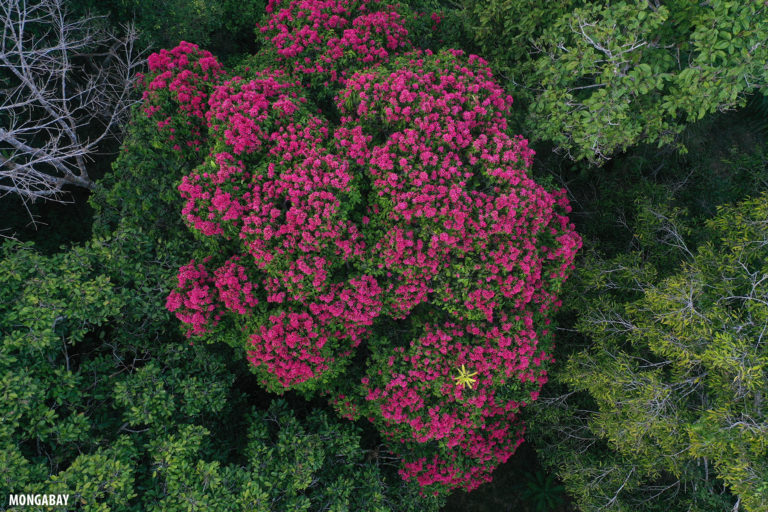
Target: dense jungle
x=373 y=255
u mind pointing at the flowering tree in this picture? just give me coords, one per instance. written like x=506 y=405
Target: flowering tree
x=324 y=41
x=407 y=237
x=470 y=253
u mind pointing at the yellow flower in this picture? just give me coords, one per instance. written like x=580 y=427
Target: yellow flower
x=465 y=378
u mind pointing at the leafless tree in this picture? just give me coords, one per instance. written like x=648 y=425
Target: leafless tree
x=65 y=89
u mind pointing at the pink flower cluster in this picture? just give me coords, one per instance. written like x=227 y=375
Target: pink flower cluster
x=235 y=287
x=457 y=217
x=416 y=212
x=324 y=39
x=202 y=298
x=415 y=399
x=240 y=111
x=293 y=346
x=456 y=224
x=179 y=83
x=272 y=186
x=194 y=301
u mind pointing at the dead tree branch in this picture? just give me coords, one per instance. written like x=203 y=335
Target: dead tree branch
x=66 y=87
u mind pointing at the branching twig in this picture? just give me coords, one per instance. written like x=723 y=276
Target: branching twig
x=67 y=87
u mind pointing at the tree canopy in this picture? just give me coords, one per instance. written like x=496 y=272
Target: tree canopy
x=357 y=255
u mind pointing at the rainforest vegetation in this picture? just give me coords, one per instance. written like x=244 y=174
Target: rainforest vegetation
x=373 y=255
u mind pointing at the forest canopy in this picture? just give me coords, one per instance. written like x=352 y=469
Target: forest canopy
x=360 y=255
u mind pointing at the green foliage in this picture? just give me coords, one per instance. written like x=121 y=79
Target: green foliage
x=505 y=29
x=436 y=24
x=292 y=465
x=49 y=308
x=101 y=404
x=105 y=401
x=101 y=481
x=604 y=76
x=668 y=398
x=543 y=492
x=656 y=403
x=140 y=192
x=225 y=26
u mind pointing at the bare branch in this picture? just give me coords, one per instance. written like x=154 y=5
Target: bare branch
x=66 y=86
